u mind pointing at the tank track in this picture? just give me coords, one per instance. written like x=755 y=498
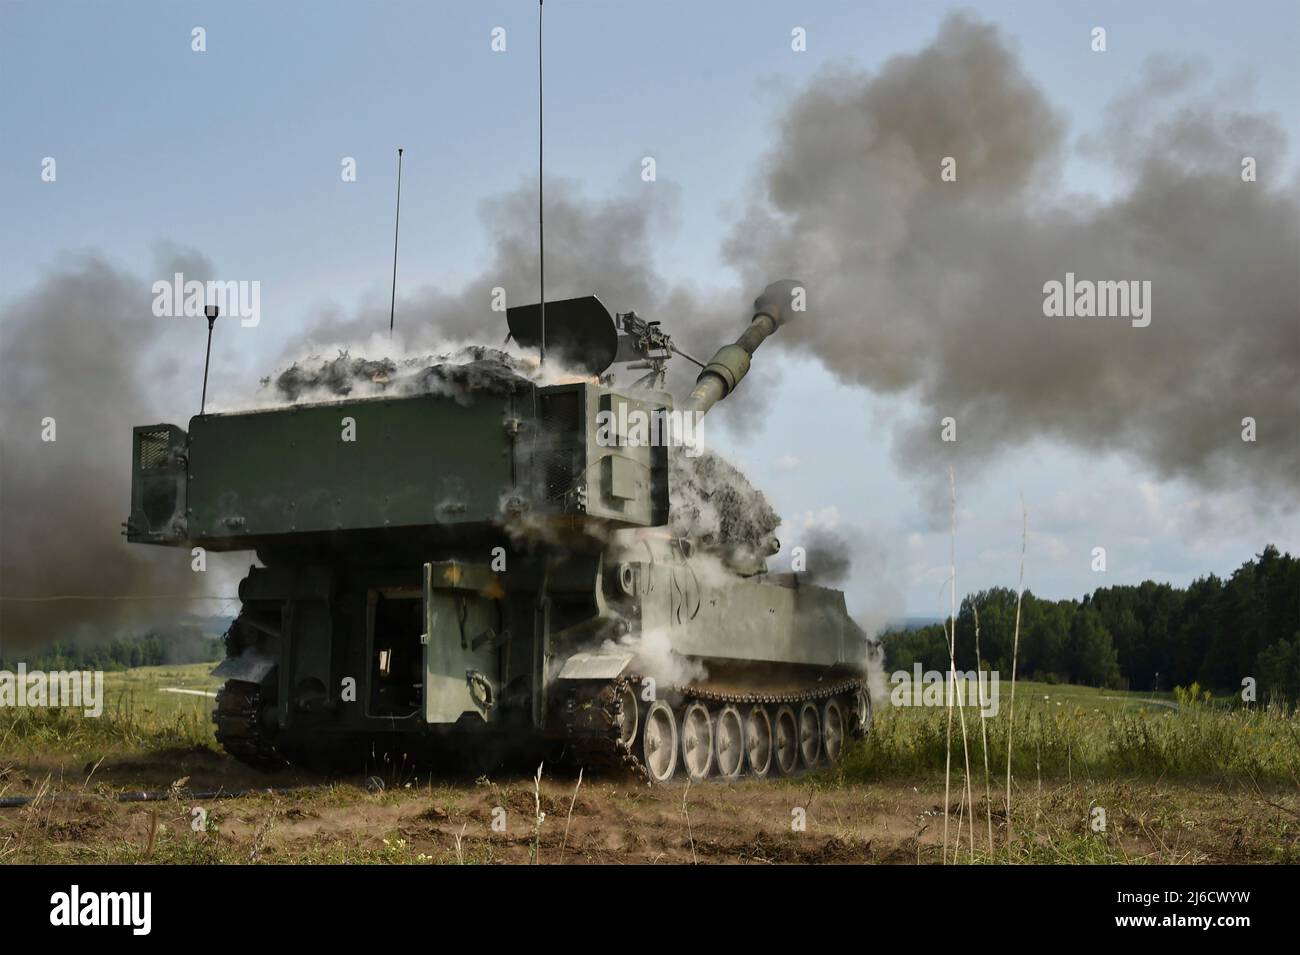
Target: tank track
x=594 y=723
x=239 y=726
x=594 y=729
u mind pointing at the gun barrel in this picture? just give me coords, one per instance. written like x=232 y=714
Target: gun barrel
x=730 y=364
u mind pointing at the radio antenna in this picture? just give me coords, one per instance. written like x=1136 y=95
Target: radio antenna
x=541 y=222
x=210 y=312
x=392 y=302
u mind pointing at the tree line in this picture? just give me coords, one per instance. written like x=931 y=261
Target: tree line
x=185 y=645
x=1151 y=636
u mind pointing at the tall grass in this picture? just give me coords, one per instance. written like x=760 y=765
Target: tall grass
x=124 y=725
x=1196 y=741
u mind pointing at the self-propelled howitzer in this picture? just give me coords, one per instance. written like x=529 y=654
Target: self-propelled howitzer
x=477 y=562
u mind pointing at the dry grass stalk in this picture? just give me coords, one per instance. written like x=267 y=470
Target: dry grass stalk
x=259 y=837
x=961 y=815
x=93 y=768
x=565 y=841
x=947 y=764
x=153 y=834
x=30 y=811
x=1015 y=652
x=984 y=730
x=539 y=816
x=951 y=631
x=460 y=854
x=687 y=813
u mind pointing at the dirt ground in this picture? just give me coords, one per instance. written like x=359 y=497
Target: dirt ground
x=818 y=818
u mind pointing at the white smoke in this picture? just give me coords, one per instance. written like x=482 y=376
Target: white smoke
x=656 y=658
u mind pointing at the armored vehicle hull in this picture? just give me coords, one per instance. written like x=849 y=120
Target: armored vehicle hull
x=489 y=571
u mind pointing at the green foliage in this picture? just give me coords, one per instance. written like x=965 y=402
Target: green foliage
x=1215 y=632
x=1279 y=670
x=186 y=645
x=1192 y=695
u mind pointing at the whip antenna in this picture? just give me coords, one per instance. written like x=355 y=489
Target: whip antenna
x=210 y=312
x=392 y=302
x=541 y=224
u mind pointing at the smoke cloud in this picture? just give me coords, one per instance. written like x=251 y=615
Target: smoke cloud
x=832 y=549
x=934 y=289
x=603 y=247
x=829 y=554
x=83 y=360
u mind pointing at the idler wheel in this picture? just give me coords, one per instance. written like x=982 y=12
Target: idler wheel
x=861 y=713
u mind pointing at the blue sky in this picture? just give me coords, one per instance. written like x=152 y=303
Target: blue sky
x=236 y=152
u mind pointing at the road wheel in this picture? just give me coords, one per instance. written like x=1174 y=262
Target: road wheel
x=786 y=741
x=832 y=731
x=659 y=742
x=758 y=741
x=810 y=734
x=627 y=713
x=697 y=741
x=729 y=742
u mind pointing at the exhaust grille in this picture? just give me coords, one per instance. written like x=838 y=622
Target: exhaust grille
x=154 y=449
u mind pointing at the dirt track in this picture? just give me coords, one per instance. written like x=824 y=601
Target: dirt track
x=612 y=821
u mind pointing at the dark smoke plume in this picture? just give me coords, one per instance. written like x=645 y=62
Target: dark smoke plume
x=829 y=555
x=935 y=289
x=82 y=347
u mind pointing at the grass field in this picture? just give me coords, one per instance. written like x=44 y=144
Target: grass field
x=1068 y=731
x=1181 y=781
x=1060 y=731
x=139 y=716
